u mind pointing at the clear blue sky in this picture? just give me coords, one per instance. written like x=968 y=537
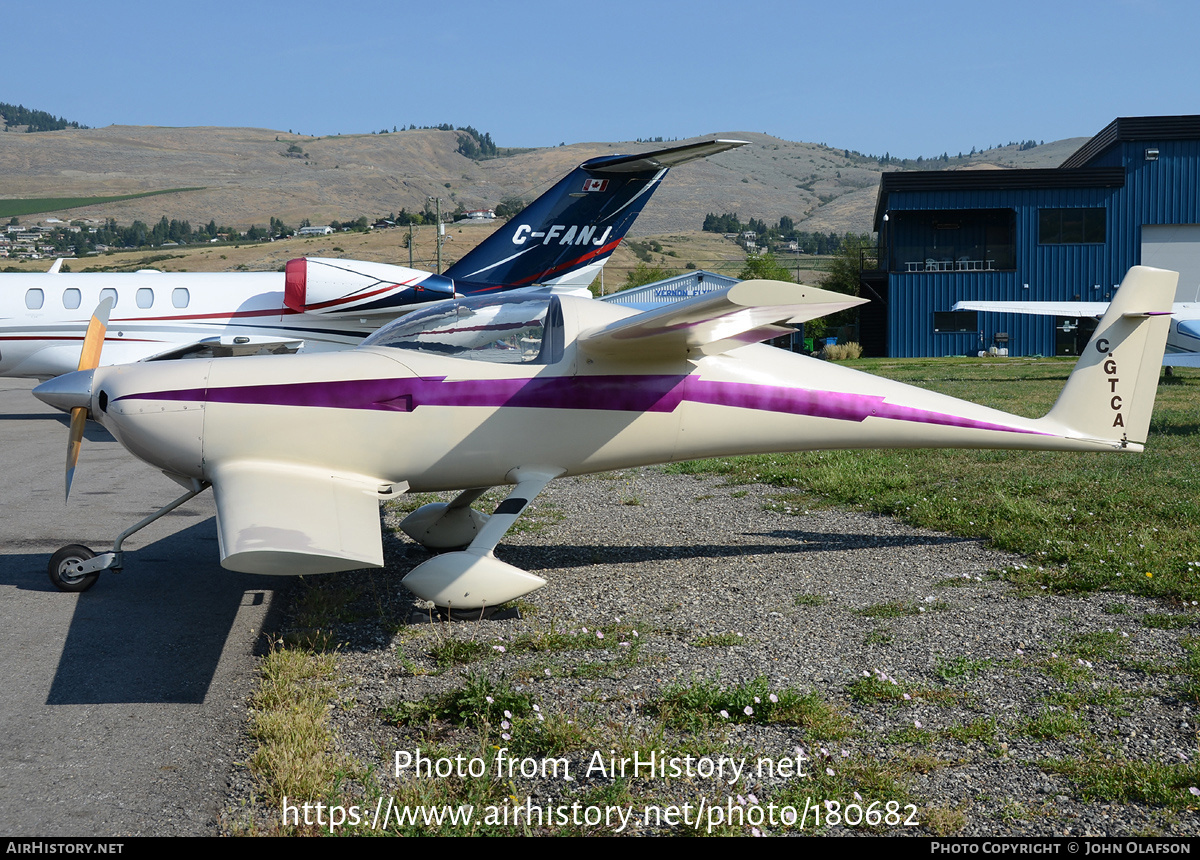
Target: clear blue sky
x=911 y=79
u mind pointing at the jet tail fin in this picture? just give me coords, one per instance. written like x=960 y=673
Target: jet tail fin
x=1110 y=393
x=566 y=235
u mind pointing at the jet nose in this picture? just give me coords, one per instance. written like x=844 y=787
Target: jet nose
x=67 y=392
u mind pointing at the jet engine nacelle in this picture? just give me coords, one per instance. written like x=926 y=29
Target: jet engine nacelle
x=314 y=285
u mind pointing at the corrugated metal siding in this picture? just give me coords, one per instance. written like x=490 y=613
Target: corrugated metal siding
x=1165 y=191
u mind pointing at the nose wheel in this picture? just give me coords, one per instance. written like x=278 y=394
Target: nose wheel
x=67 y=571
x=76 y=568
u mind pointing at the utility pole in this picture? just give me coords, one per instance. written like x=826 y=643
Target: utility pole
x=410 y=244
x=441 y=230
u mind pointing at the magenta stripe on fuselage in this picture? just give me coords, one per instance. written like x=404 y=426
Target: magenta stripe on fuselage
x=624 y=393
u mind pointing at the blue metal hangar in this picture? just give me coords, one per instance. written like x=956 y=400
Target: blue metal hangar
x=1130 y=195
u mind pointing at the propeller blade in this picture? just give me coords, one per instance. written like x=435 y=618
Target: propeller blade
x=74 y=442
x=89 y=359
x=93 y=340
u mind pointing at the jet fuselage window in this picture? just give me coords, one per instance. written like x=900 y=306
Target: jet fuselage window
x=34 y=299
x=71 y=298
x=145 y=297
x=109 y=293
x=179 y=297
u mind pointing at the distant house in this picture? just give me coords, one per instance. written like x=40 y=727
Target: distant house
x=480 y=214
x=314 y=231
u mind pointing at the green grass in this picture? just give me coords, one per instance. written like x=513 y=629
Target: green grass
x=34 y=205
x=1125 y=780
x=702 y=705
x=1088 y=522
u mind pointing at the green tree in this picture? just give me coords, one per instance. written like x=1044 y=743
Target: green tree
x=644 y=273
x=847 y=265
x=764 y=266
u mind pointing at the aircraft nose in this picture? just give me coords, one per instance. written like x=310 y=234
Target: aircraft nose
x=67 y=392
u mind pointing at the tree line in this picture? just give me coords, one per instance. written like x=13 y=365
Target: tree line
x=33 y=120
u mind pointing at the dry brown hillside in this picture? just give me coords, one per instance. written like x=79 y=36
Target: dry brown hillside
x=248 y=176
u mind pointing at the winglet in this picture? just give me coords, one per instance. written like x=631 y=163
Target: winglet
x=747 y=312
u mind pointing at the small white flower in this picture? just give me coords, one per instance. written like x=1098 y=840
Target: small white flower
x=748 y=711
x=724 y=714
x=774 y=699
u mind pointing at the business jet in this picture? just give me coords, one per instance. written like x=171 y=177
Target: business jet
x=560 y=240
x=520 y=388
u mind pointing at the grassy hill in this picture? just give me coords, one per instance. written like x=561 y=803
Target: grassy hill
x=244 y=176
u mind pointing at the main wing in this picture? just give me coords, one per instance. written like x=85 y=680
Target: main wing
x=748 y=312
x=284 y=519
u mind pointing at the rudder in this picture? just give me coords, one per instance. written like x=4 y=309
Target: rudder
x=1110 y=393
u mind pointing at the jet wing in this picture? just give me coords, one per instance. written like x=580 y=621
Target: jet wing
x=281 y=518
x=748 y=312
x=1044 y=309
x=225 y=347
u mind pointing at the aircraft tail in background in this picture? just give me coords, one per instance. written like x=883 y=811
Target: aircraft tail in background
x=565 y=236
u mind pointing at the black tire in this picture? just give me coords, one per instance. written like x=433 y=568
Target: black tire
x=65 y=579
x=483 y=614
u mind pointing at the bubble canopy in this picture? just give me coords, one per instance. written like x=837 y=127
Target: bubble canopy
x=508 y=329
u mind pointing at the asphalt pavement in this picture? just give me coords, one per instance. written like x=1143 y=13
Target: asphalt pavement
x=119 y=707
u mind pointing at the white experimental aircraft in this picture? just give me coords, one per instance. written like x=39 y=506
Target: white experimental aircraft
x=562 y=239
x=518 y=389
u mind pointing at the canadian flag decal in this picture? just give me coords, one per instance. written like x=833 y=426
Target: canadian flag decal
x=595 y=184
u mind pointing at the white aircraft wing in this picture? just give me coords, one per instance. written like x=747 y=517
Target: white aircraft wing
x=281 y=518
x=1178 y=352
x=227 y=346
x=1044 y=309
x=748 y=312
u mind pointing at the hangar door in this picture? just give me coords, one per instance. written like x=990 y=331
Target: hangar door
x=1176 y=247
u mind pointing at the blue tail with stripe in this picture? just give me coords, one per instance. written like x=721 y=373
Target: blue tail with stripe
x=565 y=236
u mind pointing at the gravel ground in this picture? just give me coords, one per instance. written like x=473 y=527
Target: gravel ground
x=1003 y=684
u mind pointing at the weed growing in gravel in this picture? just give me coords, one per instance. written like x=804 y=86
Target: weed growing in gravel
x=811 y=600
x=1065 y=670
x=878 y=686
x=983 y=730
x=1051 y=725
x=953 y=668
x=1129 y=780
x=701 y=705
x=1158 y=621
x=481 y=701
x=719 y=640
x=1098 y=645
x=1114 y=701
x=450 y=652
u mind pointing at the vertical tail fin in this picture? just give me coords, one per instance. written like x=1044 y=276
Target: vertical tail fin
x=1110 y=393
x=566 y=235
